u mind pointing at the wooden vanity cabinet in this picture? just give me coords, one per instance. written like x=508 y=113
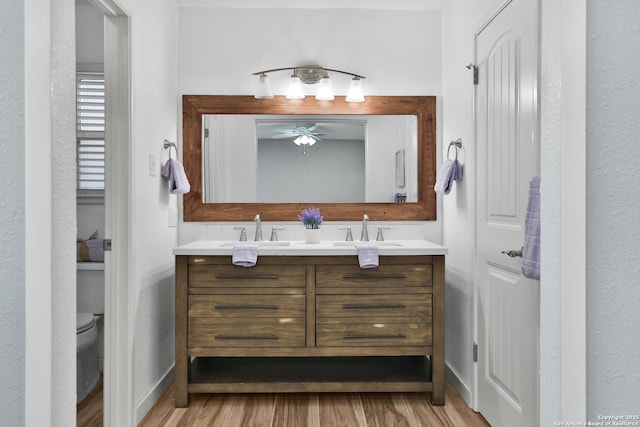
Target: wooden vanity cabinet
x=309 y=324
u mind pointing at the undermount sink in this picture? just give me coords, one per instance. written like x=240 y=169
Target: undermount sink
x=376 y=243
x=268 y=243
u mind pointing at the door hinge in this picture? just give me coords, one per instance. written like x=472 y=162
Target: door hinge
x=206 y=133
x=473 y=68
x=106 y=245
x=475 y=352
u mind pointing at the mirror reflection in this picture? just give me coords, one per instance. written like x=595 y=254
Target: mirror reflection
x=309 y=158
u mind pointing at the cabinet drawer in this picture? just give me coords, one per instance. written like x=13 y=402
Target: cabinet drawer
x=385 y=276
x=258 y=332
x=372 y=333
x=406 y=305
x=207 y=275
x=223 y=306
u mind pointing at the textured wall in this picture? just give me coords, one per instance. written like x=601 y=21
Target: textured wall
x=550 y=156
x=63 y=233
x=12 y=205
x=613 y=203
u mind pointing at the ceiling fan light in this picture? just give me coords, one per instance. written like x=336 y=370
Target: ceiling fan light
x=295 y=88
x=311 y=140
x=263 y=90
x=355 y=93
x=325 y=90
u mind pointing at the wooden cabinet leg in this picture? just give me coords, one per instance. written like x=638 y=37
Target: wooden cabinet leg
x=437 y=359
x=182 y=357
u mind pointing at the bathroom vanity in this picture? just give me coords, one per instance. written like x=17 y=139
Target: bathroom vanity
x=307 y=318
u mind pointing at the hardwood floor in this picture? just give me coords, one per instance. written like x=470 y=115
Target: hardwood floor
x=89 y=411
x=313 y=410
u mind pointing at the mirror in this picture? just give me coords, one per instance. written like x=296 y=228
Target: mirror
x=308 y=159
x=196 y=109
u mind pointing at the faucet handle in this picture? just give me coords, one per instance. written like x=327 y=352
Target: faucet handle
x=380 y=236
x=243 y=233
x=349 y=236
x=274 y=233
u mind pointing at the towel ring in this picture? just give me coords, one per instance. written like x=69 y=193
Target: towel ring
x=168 y=144
x=457 y=144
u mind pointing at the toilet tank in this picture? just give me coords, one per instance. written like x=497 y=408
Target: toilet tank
x=90 y=287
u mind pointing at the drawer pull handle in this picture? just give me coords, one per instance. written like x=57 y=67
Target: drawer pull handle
x=373 y=306
x=241 y=277
x=246 y=337
x=246 y=307
x=364 y=336
x=374 y=276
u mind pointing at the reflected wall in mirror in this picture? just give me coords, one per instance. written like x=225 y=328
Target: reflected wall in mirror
x=200 y=109
x=307 y=159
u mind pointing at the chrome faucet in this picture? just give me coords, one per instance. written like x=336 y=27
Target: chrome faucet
x=364 y=236
x=258 y=237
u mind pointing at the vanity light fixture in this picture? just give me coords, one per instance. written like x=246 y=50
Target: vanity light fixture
x=310 y=74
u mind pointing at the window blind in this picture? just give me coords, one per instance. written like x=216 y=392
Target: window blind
x=90 y=123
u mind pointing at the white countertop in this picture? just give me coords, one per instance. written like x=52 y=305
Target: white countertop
x=300 y=248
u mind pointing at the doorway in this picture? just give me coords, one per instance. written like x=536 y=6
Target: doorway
x=118 y=353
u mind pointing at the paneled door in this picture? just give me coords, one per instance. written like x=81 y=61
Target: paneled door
x=506 y=303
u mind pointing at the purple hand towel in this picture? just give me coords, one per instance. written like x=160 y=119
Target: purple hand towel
x=531 y=249
x=245 y=255
x=173 y=171
x=367 y=254
x=450 y=171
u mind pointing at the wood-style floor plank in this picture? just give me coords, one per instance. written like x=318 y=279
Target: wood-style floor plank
x=89 y=411
x=341 y=410
x=380 y=411
x=313 y=410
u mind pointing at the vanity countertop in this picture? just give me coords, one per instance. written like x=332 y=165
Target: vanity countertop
x=300 y=248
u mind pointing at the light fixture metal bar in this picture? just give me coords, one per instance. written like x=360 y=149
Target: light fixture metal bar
x=313 y=67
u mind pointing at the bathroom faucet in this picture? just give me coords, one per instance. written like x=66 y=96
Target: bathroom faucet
x=364 y=236
x=258 y=237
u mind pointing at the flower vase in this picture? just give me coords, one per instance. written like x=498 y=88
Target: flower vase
x=312 y=235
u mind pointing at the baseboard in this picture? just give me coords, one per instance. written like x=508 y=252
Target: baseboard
x=458 y=384
x=146 y=403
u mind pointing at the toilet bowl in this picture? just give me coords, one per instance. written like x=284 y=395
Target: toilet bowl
x=89 y=330
x=87 y=371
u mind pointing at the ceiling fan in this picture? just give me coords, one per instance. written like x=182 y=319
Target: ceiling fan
x=304 y=133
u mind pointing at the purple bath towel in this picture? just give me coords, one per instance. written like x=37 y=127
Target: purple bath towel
x=531 y=249
x=450 y=171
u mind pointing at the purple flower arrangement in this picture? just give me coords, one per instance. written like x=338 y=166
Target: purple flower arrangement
x=311 y=218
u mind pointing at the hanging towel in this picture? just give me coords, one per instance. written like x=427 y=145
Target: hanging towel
x=245 y=255
x=173 y=171
x=450 y=171
x=91 y=249
x=367 y=254
x=531 y=249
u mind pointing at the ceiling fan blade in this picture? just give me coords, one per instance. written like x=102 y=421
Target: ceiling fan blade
x=284 y=135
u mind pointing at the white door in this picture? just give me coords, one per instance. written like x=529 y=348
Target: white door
x=507 y=304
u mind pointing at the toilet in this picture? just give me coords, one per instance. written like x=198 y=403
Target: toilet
x=89 y=326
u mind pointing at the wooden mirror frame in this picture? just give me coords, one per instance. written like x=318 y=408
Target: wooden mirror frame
x=194 y=106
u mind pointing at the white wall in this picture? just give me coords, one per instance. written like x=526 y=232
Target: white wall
x=551 y=405
x=613 y=203
x=154 y=112
x=398 y=51
x=460 y=20
x=12 y=208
